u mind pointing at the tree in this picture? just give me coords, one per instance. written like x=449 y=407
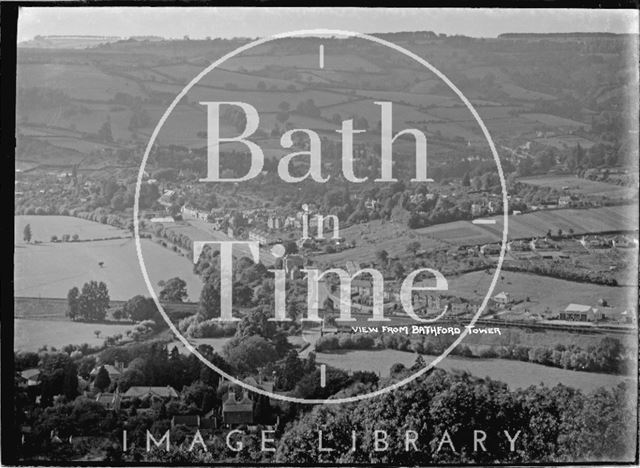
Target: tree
x=209 y=306
x=174 y=290
x=70 y=381
x=93 y=302
x=26 y=233
x=105 y=133
x=102 y=380
x=466 y=179
x=382 y=256
x=72 y=303
x=75 y=237
x=289 y=371
x=413 y=247
x=140 y=308
x=249 y=354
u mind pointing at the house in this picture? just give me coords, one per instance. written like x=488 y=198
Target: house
x=502 y=298
x=236 y=412
x=361 y=287
x=115 y=371
x=31 y=377
x=519 y=246
x=258 y=236
x=167 y=198
x=111 y=401
x=163 y=393
x=293 y=263
x=261 y=381
x=595 y=242
x=371 y=204
x=306 y=243
x=490 y=249
x=193 y=213
x=577 y=312
x=352 y=267
x=622 y=242
x=188 y=420
x=542 y=244
x=564 y=201
x=165 y=219
x=274 y=222
x=476 y=209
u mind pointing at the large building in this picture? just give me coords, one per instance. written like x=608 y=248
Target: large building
x=236 y=412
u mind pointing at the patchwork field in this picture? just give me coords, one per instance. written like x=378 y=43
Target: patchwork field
x=542 y=291
x=611 y=218
x=393 y=237
x=79 y=81
x=51 y=269
x=553 y=120
x=31 y=335
x=515 y=374
x=43 y=227
x=376 y=235
x=581 y=186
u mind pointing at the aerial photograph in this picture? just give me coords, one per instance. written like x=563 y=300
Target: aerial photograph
x=306 y=236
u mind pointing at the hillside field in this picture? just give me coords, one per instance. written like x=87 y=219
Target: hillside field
x=580 y=186
x=51 y=269
x=515 y=374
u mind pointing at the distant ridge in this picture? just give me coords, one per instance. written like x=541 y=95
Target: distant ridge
x=559 y=35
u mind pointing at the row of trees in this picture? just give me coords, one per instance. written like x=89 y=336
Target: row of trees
x=609 y=355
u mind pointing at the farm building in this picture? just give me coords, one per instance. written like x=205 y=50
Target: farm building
x=502 y=298
x=585 y=313
x=577 y=312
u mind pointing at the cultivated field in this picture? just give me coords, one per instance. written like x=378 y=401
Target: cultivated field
x=31 y=335
x=43 y=227
x=393 y=236
x=79 y=81
x=581 y=186
x=605 y=219
x=378 y=235
x=515 y=374
x=51 y=269
x=542 y=291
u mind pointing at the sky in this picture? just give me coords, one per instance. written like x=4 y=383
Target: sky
x=226 y=22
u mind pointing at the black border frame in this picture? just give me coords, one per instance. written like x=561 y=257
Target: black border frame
x=9 y=13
